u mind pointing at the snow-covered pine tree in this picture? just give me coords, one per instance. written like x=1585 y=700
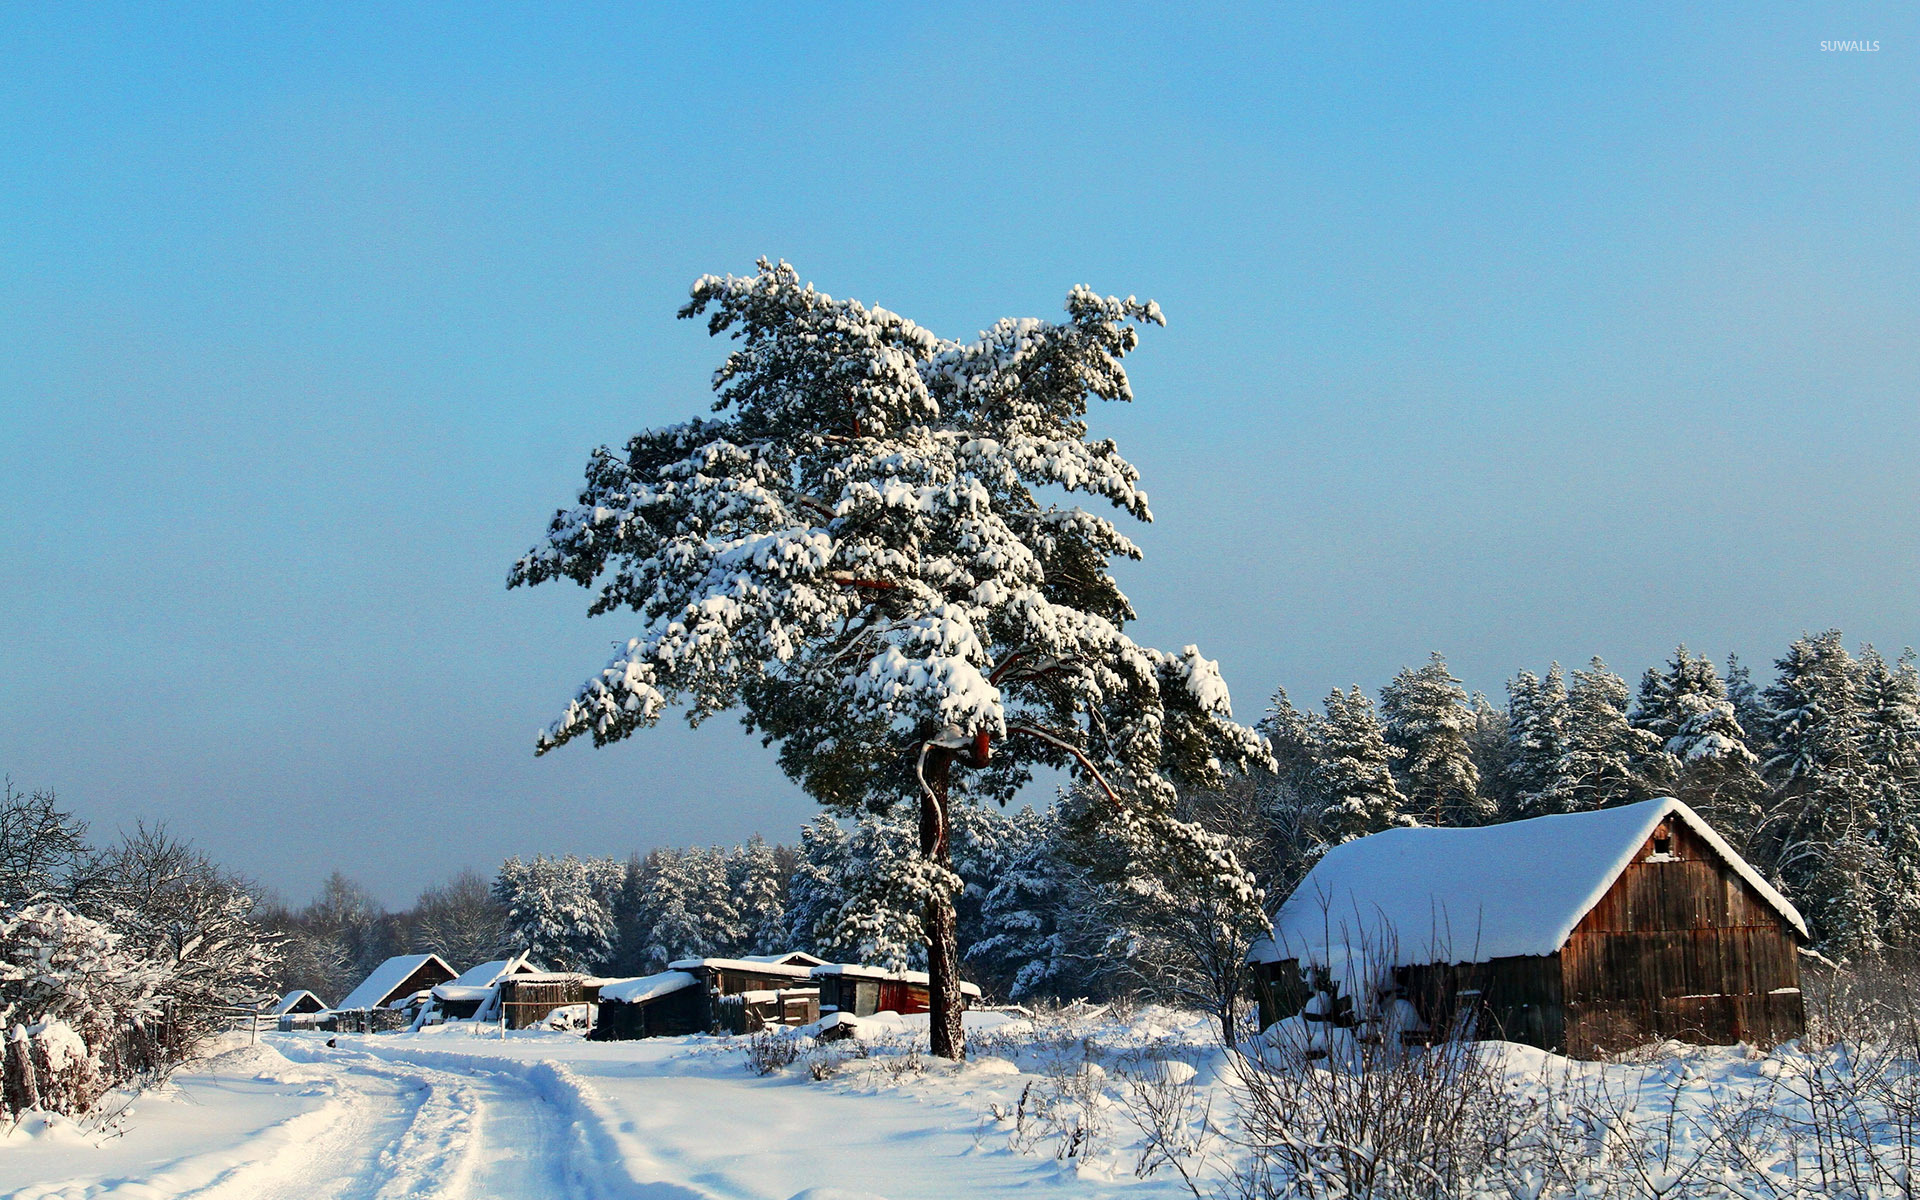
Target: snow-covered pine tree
x=1600 y=767
x=560 y=909
x=759 y=898
x=1537 y=742
x=857 y=554
x=1427 y=718
x=1353 y=772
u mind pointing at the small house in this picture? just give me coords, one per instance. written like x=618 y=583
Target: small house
x=475 y=993
x=299 y=1009
x=389 y=997
x=1584 y=933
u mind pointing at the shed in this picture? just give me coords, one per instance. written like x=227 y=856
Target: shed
x=710 y=995
x=527 y=998
x=396 y=984
x=1583 y=933
x=863 y=991
x=475 y=992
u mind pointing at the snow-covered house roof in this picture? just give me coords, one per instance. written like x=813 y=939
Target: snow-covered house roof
x=388 y=979
x=1468 y=895
x=299 y=1000
x=476 y=983
x=645 y=988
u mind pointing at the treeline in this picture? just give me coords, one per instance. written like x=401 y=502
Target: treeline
x=116 y=961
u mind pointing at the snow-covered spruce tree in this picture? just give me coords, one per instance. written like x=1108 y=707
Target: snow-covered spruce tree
x=560 y=909
x=1020 y=949
x=1601 y=766
x=1537 y=741
x=1428 y=719
x=758 y=894
x=1889 y=699
x=858 y=554
x=881 y=895
x=1703 y=757
x=1353 y=771
x=1487 y=746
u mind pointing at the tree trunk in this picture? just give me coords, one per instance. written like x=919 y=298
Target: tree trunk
x=944 y=1000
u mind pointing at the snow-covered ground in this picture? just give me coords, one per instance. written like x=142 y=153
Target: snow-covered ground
x=1053 y=1107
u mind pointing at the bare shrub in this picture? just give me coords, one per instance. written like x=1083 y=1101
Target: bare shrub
x=1162 y=1101
x=770 y=1050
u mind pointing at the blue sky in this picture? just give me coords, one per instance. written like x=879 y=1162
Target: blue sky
x=1519 y=333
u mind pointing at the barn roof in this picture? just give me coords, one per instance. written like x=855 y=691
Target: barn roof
x=379 y=987
x=645 y=988
x=1469 y=895
x=296 y=999
x=475 y=983
x=755 y=966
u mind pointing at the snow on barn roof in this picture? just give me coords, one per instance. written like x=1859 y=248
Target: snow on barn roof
x=647 y=987
x=758 y=966
x=1468 y=895
x=475 y=982
x=291 y=999
x=792 y=958
x=379 y=987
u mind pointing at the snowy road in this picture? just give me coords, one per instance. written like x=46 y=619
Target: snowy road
x=456 y=1116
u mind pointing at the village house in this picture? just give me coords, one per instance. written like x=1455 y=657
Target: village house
x=1584 y=933
x=391 y=995
x=299 y=1009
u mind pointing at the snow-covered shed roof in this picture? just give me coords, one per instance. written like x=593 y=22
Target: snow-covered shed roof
x=299 y=1000
x=1468 y=895
x=378 y=989
x=792 y=958
x=475 y=983
x=858 y=971
x=758 y=966
x=645 y=988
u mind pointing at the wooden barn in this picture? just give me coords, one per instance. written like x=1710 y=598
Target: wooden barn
x=1585 y=933
x=390 y=996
